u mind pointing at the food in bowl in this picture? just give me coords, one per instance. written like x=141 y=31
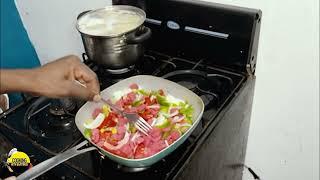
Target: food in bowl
x=169 y=116
x=110 y=21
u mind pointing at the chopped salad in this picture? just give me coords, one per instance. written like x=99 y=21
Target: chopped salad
x=170 y=118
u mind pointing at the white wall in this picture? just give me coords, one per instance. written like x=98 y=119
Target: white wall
x=51 y=25
x=284 y=132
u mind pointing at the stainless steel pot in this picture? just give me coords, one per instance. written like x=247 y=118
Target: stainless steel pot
x=116 y=51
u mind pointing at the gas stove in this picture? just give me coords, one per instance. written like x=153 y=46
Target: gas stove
x=217 y=64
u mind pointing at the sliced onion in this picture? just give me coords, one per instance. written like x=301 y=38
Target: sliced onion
x=135 y=148
x=155 y=106
x=177 y=107
x=96 y=122
x=154 y=120
x=183 y=125
x=135 y=136
x=139 y=96
x=174 y=113
x=178 y=119
x=120 y=143
x=167 y=144
x=152 y=97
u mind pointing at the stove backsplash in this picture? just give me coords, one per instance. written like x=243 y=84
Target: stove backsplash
x=226 y=36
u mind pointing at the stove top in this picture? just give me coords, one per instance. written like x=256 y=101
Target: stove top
x=48 y=124
x=213 y=57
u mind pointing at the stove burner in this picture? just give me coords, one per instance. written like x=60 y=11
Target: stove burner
x=196 y=81
x=207 y=99
x=120 y=71
x=203 y=84
x=50 y=118
x=130 y=169
x=121 y=168
x=68 y=104
x=57 y=111
x=61 y=123
x=62 y=106
x=106 y=78
x=187 y=84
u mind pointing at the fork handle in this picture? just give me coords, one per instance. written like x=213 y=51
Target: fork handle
x=112 y=106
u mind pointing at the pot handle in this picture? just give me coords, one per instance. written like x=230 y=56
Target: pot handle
x=81 y=14
x=136 y=39
x=48 y=164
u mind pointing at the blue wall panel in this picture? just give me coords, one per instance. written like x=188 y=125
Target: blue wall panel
x=16 y=49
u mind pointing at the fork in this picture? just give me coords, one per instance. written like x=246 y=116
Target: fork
x=138 y=121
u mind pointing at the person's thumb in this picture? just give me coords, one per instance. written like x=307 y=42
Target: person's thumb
x=10 y=178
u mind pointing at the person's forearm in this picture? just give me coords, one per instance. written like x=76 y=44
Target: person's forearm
x=17 y=80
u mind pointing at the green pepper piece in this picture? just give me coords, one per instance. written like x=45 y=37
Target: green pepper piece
x=137 y=103
x=87 y=133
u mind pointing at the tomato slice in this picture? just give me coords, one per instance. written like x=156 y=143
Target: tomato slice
x=146 y=115
x=154 y=101
x=106 y=135
x=112 y=123
x=108 y=121
x=139 y=153
x=147 y=101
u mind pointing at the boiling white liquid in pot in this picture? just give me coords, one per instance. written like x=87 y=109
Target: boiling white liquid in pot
x=109 y=22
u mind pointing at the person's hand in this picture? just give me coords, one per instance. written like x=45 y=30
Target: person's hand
x=10 y=178
x=61 y=78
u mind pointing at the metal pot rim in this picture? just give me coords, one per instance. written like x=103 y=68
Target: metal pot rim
x=133 y=8
x=109 y=37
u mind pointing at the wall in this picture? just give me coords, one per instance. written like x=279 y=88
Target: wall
x=284 y=133
x=51 y=25
x=16 y=50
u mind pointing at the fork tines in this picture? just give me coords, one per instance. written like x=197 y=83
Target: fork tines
x=143 y=126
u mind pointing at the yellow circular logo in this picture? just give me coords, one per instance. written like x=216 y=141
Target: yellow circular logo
x=18 y=158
